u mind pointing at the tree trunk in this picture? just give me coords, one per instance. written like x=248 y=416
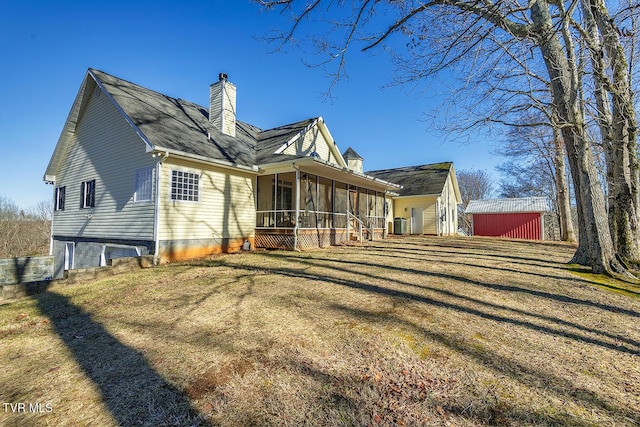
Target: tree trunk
x=596 y=238
x=567 y=233
x=618 y=129
x=623 y=164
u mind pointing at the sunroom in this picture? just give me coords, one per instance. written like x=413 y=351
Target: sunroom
x=311 y=203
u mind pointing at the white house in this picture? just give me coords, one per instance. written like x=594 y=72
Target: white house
x=139 y=172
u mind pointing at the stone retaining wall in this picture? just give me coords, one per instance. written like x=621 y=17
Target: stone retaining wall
x=20 y=277
x=24 y=276
x=25 y=269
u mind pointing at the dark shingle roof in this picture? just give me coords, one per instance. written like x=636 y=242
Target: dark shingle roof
x=416 y=180
x=270 y=140
x=176 y=124
x=350 y=153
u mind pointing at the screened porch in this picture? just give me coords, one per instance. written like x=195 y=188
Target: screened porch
x=302 y=209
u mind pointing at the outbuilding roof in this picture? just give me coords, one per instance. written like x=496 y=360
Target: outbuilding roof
x=513 y=205
x=419 y=180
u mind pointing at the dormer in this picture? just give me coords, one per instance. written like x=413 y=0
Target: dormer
x=353 y=159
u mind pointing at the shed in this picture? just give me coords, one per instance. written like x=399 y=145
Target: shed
x=517 y=218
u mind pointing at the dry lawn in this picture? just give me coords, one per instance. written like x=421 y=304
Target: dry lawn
x=411 y=331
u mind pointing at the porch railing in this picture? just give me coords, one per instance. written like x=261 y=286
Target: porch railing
x=306 y=219
x=315 y=219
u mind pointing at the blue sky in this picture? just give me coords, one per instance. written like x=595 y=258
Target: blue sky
x=178 y=48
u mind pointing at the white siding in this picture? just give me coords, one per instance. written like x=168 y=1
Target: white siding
x=222 y=107
x=107 y=149
x=225 y=208
x=448 y=200
x=313 y=141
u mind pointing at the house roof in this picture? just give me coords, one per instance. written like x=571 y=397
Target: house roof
x=176 y=124
x=419 y=180
x=514 y=205
x=182 y=127
x=269 y=141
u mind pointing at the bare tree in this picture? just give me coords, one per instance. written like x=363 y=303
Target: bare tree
x=615 y=113
x=469 y=30
x=474 y=185
x=537 y=168
x=24 y=232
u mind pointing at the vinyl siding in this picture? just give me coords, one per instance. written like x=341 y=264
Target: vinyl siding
x=448 y=203
x=105 y=148
x=222 y=107
x=427 y=203
x=313 y=141
x=225 y=208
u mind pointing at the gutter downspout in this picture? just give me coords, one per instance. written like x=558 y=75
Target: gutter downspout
x=156 y=213
x=295 y=228
x=53 y=213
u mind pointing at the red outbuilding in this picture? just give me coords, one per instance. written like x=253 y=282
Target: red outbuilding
x=521 y=218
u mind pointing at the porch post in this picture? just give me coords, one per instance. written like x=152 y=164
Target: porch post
x=347 y=212
x=297 y=217
x=275 y=201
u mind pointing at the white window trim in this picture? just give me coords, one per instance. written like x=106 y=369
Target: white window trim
x=135 y=182
x=185 y=170
x=83 y=194
x=57 y=198
x=103 y=257
x=69 y=260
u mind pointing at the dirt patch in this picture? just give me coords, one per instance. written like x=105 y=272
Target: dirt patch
x=217 y=377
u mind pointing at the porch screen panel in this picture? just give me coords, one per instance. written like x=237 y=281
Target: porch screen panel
x=308 y=201
x=284 y=200
x=325 y=202
x=340 y=206
x=265 y=215
x=379 y=212
x=362 y=203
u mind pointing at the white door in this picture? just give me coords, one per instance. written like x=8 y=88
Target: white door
x=69 y=252
x=417 y=220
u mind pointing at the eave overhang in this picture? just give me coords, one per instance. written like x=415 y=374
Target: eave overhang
x=328 y=170
x=206 y=160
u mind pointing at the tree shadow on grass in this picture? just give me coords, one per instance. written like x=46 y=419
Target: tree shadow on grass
x=133 y=392
x=546 y=382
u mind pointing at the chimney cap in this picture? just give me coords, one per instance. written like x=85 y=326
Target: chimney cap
x=222 y=77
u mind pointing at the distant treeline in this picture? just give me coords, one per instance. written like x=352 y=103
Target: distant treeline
x=24 y=232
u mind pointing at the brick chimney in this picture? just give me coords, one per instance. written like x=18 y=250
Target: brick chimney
x=222 y=105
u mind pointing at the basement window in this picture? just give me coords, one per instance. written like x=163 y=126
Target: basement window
x=112 y=251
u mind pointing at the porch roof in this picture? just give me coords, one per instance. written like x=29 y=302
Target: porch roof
x=319 y=167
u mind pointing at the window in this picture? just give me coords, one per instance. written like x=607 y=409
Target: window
x=185 y=186
x=88 y=194
x=60 y=193
x=144 y=184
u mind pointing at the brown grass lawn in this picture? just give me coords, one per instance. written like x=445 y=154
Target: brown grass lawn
x=411 y=331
